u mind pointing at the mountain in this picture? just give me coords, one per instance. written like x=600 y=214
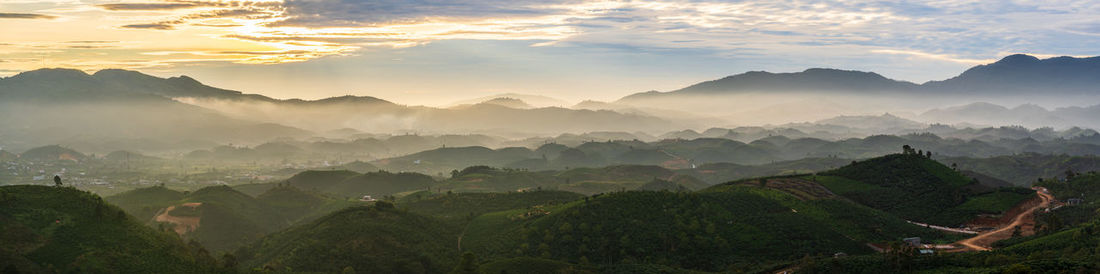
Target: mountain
x=815 y=79
x=1025 y=74
x=58 y=105
x=504 y=102
x=758 y=97
x=61 y=104
x=538 y=101
x=61 y=229
x=1013 y=74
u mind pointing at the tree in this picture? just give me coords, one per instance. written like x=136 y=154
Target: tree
x=57 y=180
x=229 y=261
x=348 y=270
x=467 y=265
x=906 y=149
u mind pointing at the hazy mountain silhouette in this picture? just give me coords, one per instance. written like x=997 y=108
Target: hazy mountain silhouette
x=1013 y=74
x=1028 y=115
x=50 y=105
x=1023 y=73
x=121 y=97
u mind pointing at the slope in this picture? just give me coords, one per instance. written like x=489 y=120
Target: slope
x=374 y=239
x=47 y=229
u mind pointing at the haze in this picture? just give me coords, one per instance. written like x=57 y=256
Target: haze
x=561 y=136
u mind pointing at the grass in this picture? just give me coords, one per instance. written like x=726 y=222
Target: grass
x=995 y=202
x=841 y=185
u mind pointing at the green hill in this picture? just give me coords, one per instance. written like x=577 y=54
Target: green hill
x=375 y=239
x=229 y=219
x=488 y=179
x=721 y=228
x=320 y=180
x=350 y=184
x=48 y=229
x=910 y=186
x=1071 y=250
x=298 y=205
x=382 y=183
x=586 y=181
x=144 y=203
x=462 y=207
x=222 y=218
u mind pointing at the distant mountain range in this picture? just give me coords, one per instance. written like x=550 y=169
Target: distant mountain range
x=54 y=105
x=1025 y=115
x=1015 y=74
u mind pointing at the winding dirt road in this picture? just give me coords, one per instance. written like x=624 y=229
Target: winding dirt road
x=983 y=241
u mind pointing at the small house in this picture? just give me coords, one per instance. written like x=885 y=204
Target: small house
x=912 y=241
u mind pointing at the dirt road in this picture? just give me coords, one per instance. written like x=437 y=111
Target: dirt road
x=983 y=241
x=183 y=224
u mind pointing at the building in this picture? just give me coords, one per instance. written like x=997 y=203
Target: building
x=1074 y=201
x=367 y=198
x=912 y=241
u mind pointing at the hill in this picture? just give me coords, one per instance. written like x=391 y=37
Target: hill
x=1064 y=242
x=462 y=207
x=912 y=187
x=585 y=181
x=374 y=239
x=144 y=203
x=48 y=229
x=51 y=153
x=721 y=228
x=222 y=218
x=1024 y=168
x=1029 y=115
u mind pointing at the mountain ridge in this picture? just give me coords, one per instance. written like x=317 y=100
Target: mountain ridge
x=1014 y=73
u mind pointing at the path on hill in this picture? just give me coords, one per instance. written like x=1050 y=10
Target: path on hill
x=983 y=241
x=183 y=224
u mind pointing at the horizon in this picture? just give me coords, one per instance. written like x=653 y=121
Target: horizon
x=435 y=54
x=478 y=98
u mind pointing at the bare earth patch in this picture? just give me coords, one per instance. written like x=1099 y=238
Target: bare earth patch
x=183 y=225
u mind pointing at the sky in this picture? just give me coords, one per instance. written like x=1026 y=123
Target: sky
x=433 y=52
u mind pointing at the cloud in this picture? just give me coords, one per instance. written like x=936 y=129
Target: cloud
x=5 y=15
x=148 y=6
x=960 y=32
x=941 y=57
x=346 y=13
x=156 y=26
